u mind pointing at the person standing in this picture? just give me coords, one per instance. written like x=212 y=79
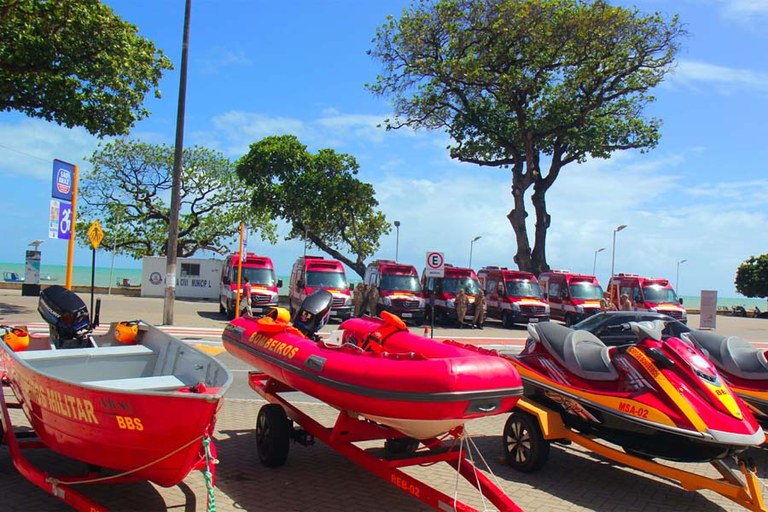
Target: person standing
x=373 y=299
x=359 y=299
x=461 y=307
x=479 y=319
x=245 y=303
x=606 y=304
x=626 y=304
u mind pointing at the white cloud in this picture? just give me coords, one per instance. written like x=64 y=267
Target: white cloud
x=701 y=76
x=218 y=57
x=29 y=146
x=745 y=9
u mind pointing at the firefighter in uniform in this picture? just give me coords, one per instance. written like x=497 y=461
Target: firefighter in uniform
x=479 y=319
x=373 y=299
x=461 y=307
x=359 y=299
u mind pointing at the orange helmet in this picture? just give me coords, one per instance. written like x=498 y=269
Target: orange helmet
x=16 y=338
x=126 y=332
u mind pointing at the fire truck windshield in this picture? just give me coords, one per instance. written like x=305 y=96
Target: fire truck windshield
x=524 y=289
x=400 y=283
x=453 y=284
x=262 y=276
x=586 y=291
x=659 y=294
x=326 y=280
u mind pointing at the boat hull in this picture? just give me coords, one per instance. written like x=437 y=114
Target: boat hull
x=150 y=435
x=417 y=386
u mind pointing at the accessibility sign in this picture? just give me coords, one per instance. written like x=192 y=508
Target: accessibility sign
x=60 y=220
x=435 y=264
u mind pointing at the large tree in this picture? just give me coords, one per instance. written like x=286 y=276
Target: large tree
x=128 y=190
x=317 y=195
x=528 y=85
x=752 y=277
x=77 y=63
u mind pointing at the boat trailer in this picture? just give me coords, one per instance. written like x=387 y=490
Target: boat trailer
x=275 y=430
x=59 y=487
x=535 y=427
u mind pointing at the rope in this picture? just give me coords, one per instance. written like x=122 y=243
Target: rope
x=207 y=475
x=55 y=481
x=470 y=444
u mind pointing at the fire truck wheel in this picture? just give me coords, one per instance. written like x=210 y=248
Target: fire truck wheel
x=230 y=310
x=273 y=435
x=569 y=320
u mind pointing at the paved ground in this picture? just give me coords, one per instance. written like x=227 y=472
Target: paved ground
x=317 y=478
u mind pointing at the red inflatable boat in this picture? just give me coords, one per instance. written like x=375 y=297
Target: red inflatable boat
x=377 y=369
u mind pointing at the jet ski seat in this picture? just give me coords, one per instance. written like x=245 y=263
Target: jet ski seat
x=734 y=355
x=581 y=352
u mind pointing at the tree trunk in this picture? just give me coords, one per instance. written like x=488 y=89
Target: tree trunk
x=539 y=255
x=517 y=218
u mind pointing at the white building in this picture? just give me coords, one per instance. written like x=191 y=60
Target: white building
x=196 y=278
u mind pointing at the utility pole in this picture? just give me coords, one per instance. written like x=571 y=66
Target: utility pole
x=173 y=222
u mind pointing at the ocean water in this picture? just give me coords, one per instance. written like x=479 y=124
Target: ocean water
x=81 y=276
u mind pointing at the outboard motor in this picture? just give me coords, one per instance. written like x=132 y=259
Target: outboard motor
x=313 y=313
x=67 y=317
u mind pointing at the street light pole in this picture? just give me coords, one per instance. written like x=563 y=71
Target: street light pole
x=677 y=276
x=613 y=247
x=594 y=264
x=471 y=244
x=397 y=239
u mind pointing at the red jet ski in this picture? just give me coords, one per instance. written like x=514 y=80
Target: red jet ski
x=742 y=365
x=655 y=398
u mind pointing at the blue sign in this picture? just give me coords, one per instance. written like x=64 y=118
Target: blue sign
x=63 y=181
x=60 y=220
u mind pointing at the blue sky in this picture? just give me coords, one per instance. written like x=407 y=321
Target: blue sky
x=259 y=68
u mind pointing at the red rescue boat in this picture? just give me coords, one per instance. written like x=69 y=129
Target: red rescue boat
x=377 y=369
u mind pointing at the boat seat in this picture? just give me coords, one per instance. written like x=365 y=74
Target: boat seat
x=156 y=383
x=732 y=354
x=116 y=350
x=581 y=352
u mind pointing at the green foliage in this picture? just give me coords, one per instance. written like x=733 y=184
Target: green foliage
x=75 y=62
x=752 y=277
x=129 y=191
x=317 y=195
x=515 y=82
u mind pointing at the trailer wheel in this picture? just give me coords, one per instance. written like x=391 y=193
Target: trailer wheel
x=272 y=435
x=525 y=448
x=399 y=447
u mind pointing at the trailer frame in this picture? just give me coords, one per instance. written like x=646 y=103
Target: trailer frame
x=349 y=429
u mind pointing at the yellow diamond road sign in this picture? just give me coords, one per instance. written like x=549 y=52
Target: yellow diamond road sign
x=95 y=234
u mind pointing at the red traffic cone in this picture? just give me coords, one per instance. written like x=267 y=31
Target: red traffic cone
x=426 y=331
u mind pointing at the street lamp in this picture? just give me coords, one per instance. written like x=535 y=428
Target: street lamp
x=471 y=244
x=397 y=239
x=677 y=276
x=613 y=247
x=594 y=265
